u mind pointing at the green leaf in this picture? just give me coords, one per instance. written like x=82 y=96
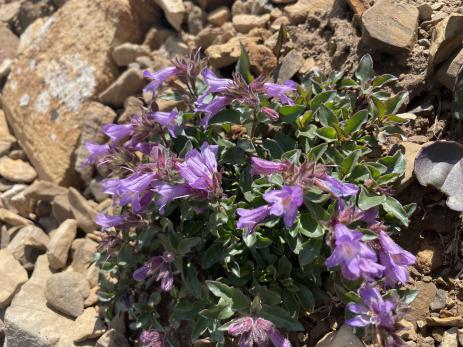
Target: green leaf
x=458 y=96
x=192 y=282
x=328 y=134
x=267 y=296
x=355 y=122
x=350 y=162
x=310 y=250
x=365 y=71
x=306 y=297
x=394 y=104
x=281 y=39
x=212 y=255
x=222 y=310
x=273 y=147
x=280 y=317
x=227 y=116
x=321 y=99
x=200 y=327
x=309 y=226
x=244 y=66
x=327 y=117
x=379 y=81
x=240 y=302
x=366 y=201
x=290 y=113
x=284 y=267
x=394 y=207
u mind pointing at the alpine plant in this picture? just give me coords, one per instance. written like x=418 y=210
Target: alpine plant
x=235 y=211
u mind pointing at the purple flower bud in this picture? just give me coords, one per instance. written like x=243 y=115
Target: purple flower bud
x=117 y=132
x=159 y=265
x=279 y=91
x=271 y=113
x=95 y=152
x=266 y=167
x=158 y=78
x=336 y=187
x=153 y=338
x=168 y=120
x=250 y=218
x=285 y=202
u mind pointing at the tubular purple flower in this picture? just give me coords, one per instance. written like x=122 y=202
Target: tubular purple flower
x=285 y=202
x=212 y=108
x=395 y=259
x=199 y=169
x=107 y=221
x=270 y=113
x=117 y=132
x=153 y=338
x=249 y=218
x=279 y=91
x=266 y=167
x=336 y=187
x=95 y=152
x=259 y=331
x=354 y=257
x=374 y=311
x=214 y=83
x=158 y=78
x=169 y=192
x=159 y=265
x=168 y=120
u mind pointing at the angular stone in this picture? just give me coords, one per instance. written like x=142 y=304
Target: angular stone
x=447 y=74
x=60 y=244
x=410 y=151
x=16 y=170
x=83 y=212
x=174 y=11
x=156 y=37
x=195 y=18
x=112 y=338
x=390 y=26
x=126 y=53
x=243 y=23
x=447 y=38
x=219 y=16
x=12 y=218
x=29 y=322
x=88 y=325
x=7 y=196
x=44 y=190
x=298 y=12
x=6 y=139
x=358 y=6
x=13 y=277
x=32 y=33
x=61 y=208
x=9 y=42
x=82 y=256
x=69 y=64
x=92 y=298
x=66 y=291
x=23 y=206
x=420 y=306
x=428 y=258
x=28 y=244
x=342 y=337
x=95 y=115
x=289 y=66
x=131 y=82
x=9 y=11
x=456 y=321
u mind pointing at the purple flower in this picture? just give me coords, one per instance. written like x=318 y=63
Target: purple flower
x=270 y=113
x=168 y=120
x=285 y=202
x=395 y=259
x=214 y=83
x=107 y=221
x=354 y=257
x=95 y=152
x=250 y=218
x=199 y=169
x=168 y=192
x=266 y=167
x=336 y=187
x=117 y=132
x=153 y=338
x=157 y=78
x=350 y=214
x=159 y=265
x=212 y=108
x=279 y=91
x=259 y=331
x=374 y=311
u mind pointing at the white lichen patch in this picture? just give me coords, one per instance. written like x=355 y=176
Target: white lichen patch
x=71 y=80
x=24 y=100
x=42 y=103
x=53 y=137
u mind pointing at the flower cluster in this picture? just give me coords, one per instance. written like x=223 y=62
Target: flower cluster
x=217 y=231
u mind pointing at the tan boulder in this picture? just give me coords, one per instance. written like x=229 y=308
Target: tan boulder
x=29 y=242
x=447 y=74
x=12 y=218
x=129 y=83
x=112 y=338
x=67 y=64
x=6 y=139
x=243 y=23
x=60 y=244
x=16 y=170
x=10 y=42
x=83 y=212
x=126 y=53
x=174 y=11
x=447 y=37
x=298 y=12
x=219 y=16
x=13 y=277
x=88 y=325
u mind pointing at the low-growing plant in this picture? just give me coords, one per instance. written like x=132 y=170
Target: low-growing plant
x=238 y=214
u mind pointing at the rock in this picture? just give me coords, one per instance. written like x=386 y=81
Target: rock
x=60 y=244
x=69 y=64
x=289 y=66
x=460 y=336
x=2 y=332
x=445 y=321
x=132 y=106
x=219 y=16
x=95 y=115
x=32 y=32
x=29 y=322
x=83 y=212
x=29 y=11
x=156 y=37
x=43 y=190
x=196 y=18
x=16 y=170
x=450 y=338
x=358 y=6
x=83 y=253
x=12 y=218
x=14 y=200
x=344 y=336
x=428 y=258
x=298 y=12
x=255 y=7
x=440 y=301
x=112 y=338
x=94 y=187
x=425 y=10
x=5 y=68
x=447 y=38
x=28 y=244
x=278 y=22
x=6 y=139
x=407 y=331
x=9 y=42
x=448 y=72
x=262 y=59
x=88 y=325
x=13 y=277
x=283 y=2
x=126 y=53
x=66 y=291
x=420 y=306
x=61 y=208
x=129 y=83
x=410 y=151
x=389 y=26
x=174 y=11
x=174 y=46
x=9 y=11
x=243 y=23
x=92 y=298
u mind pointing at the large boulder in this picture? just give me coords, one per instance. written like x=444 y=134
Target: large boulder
x=13 y=277
x=68 y=63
